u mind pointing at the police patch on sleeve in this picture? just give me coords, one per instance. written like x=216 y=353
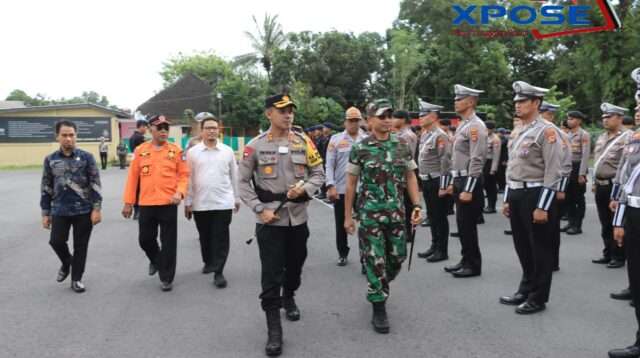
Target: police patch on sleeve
x=550 y=135
x=313 y=156
x=248 y=151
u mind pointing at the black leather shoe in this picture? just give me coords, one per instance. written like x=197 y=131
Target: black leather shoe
x=453 y=268
x=465 y=272
x=513 y=300
x=206 y=269
x=342 y=261
x=573 y=231
x=530 y=308
x=621 y=295
x=152 y=269
x=424 y=255
x=615 y=264
x=363 y=270
x=564 y=217
x=508 y=232
x=219 y=281
x=291 y=309
x=565 y=228
x=480 y=220
x=379 y=320
x=77 y=286
x=602 y=260
x=166 y=286
x=489 y=210
x=437 y=257
x=63 y=273
x=455 y=234
x=425 y=222
x=629 y=352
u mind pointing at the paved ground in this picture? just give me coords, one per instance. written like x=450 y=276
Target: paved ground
x=124 y=313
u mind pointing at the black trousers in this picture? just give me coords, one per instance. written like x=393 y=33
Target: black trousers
x=103 y=160
x=163 y=257
x=283 y=250
x=342 y=243
x=632 y=247
x=575 y=200
x=501 y=176
x=534 y=243
x=467 y=215
x=60 y=226
x=213 y=229
x=123 y=161
x=611 y=250
x=490 y=185
x=437 y=208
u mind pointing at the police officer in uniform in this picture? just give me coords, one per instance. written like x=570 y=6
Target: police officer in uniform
x=626 y=230
x=491 y=168
x=547 y=112
x=469 y=152
x=434 y=163
x=533 y=175
x=580 y=151
x=607 y=154
x=272 y=165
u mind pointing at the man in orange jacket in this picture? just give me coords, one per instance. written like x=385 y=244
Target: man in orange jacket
x=163 y=174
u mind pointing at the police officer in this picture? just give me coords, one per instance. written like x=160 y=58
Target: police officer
x=385 y=167
x=626 y=230
x=274 y=162
x=469 y=152
x=337 y=158
x=547 y=112
x=533 y=176
x=491 y=168
x=434 y=162
x=160 y=174
x=580 y=150
x=607 y=154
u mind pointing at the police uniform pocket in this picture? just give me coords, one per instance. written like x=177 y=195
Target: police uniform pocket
x=299 y=165
x=145 y=168
x=267 y=166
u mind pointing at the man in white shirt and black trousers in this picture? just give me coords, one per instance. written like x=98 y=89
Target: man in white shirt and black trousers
x=212 y=195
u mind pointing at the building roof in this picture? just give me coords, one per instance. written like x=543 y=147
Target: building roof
x=11 y=104
x=116 y=113
x=189 y=92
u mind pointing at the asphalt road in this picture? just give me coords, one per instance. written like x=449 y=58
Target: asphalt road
x=124 y=313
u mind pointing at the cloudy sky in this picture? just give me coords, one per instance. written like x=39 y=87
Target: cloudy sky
x=116 y=47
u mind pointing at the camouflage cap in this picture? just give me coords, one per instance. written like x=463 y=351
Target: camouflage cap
x=379 y=107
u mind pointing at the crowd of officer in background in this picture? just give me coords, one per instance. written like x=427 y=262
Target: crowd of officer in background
x=376 y=172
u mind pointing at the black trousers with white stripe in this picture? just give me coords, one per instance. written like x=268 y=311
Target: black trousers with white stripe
x=534 y=243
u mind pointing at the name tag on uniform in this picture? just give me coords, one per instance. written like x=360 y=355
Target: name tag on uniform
x=283 y=150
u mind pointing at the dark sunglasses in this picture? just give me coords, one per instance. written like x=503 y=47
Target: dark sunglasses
x=163 y=127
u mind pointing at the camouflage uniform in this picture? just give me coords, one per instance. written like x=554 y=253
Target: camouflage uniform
x=382 y=168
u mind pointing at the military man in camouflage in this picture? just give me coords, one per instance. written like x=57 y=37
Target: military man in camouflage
x=607 y=155
x=383 y=163
x=434 y=162
x=271 y=166
x=469 y=153
x=533 y=176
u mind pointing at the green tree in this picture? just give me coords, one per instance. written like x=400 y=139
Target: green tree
x=206 y=65
x=407 y=58
x=268 y=38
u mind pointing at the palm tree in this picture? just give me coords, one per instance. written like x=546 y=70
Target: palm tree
x=265 y=41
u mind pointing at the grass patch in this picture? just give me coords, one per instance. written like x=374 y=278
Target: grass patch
x=6 y=168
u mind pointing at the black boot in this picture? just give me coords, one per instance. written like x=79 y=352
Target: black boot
x=379 y=321
x=274 y=332
x=424 y=255
x=290 y=307
x=438 y=256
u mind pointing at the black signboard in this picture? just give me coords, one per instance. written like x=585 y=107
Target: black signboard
x=42 y=129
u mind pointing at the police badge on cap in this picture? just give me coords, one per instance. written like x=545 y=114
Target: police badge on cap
x=609 y=109
x=279 y=101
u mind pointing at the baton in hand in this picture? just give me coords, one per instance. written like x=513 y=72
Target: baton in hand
x=286 y=200
x=413 y=241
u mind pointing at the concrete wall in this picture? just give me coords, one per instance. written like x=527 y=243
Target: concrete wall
x=21 y=154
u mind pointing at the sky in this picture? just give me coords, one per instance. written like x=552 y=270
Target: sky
x=116 y=48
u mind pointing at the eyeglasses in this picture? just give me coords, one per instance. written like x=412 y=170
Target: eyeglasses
x=384 y=116
x=163 y=127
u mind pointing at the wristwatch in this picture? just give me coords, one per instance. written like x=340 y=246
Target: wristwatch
x=258 y=209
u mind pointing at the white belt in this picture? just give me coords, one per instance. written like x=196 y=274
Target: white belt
x=459 y=173
x=603 y=181
x=430 y=176
x=633 y=201
x=514 y=185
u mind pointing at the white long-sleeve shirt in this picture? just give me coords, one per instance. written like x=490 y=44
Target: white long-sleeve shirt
x=213 y=184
